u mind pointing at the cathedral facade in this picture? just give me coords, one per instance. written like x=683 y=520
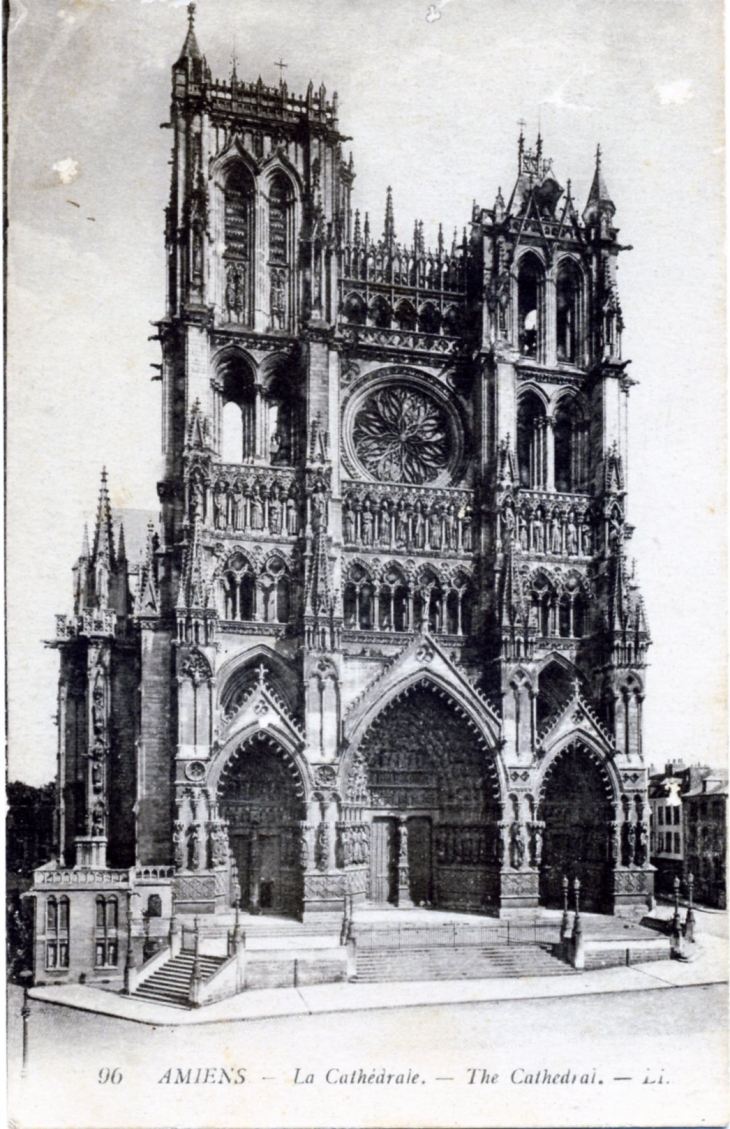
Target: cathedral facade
x=384 y=645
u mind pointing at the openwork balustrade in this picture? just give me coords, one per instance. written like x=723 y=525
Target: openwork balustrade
x=400 y=339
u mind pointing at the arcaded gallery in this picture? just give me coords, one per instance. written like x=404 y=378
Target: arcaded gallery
x=382 y=649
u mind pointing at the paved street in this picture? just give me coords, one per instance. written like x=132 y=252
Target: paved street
x=621 y=1044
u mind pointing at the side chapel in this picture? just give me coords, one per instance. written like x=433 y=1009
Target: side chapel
x=384 y=644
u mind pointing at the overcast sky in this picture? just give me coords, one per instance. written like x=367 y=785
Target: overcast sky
x=433 y=107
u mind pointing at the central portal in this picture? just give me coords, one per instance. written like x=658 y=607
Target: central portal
x=432 y=791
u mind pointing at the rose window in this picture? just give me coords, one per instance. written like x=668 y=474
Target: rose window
x=402 y=435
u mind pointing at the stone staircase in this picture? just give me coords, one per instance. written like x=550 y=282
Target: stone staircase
x=467 y=962
x=170 y=984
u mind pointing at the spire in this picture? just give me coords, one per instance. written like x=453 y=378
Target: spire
x=190 y=46
x=366 y=229
x=103 y=531
x=85 y=550
x=389 y=230
x=121 y=545
x=599 y=201
x=357 y=234
x=148 y=601
x=319 y=594
x=193 y=590
x=440 y=242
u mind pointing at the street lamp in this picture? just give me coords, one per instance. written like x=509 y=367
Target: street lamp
x=25 y=976
x=689 y=924
x=676 y=923
x=564 y=925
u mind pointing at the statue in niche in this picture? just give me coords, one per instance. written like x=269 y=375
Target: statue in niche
x=572 y=537
x=220 y=499
x=319 y=505
x=292 y=517
x=403 y=843
x=350 y=525
x=197 y=499
x=275 y=514
x=323 y=846
x=257 y=512
x=384 y=538
x=401 y=525
x=523 y=534
x=537 y=533
x=556 y=535
x=238 y=499
x=518 y=846
x=419 y=529
x=178 y=841
x=97 y=711
x=278 y=298
x=366 y=525
x=587 y=535
x=642 y=839
x=235 y=291
x=434 y=535
x=97 y=818
x=274 y=447
x=630 y=843
x=466 y=533
x=450 y=528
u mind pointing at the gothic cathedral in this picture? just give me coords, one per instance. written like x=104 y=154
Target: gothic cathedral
x=384 y=645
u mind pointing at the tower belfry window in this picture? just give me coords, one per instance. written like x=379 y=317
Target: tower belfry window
x=568 y=292
x=530 y=288
x=238 y=232
x=280 y=241
x=532 y=442
x=570 y=447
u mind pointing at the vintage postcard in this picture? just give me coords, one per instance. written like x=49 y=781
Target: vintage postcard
x=366 y=564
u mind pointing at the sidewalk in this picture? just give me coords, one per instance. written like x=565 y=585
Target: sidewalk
x=710 y=967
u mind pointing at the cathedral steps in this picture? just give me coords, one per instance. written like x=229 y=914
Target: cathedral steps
x=171 y=983
x=472 y=962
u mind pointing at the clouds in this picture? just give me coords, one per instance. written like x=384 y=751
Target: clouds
x=675 y=93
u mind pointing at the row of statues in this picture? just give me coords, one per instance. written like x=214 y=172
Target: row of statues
x=562 y=534
x=407 y=525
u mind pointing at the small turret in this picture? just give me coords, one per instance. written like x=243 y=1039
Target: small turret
x=190 y=46
x=600 y=207
x=389 y=228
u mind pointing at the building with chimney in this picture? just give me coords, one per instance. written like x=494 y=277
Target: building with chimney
x=384 y=645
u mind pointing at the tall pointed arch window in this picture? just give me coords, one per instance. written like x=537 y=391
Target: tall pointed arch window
x=570 y=430
x=284 y=421
x=568 y=312
x=280 y=251
x=532 y=442
x=238 y=215
x=530 y=294
x=238 y=414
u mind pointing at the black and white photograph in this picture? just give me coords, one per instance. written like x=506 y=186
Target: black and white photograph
x=366 y=564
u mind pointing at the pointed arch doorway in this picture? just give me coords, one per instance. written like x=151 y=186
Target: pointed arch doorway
x=433 y=797
x=577 y=811
x=261 y=798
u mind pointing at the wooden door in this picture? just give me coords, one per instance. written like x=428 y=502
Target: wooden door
x=419 y=859
x=383 y=861
x=241 y=846
x=270 y=886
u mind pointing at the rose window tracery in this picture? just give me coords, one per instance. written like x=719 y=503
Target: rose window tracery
x=402 y=435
